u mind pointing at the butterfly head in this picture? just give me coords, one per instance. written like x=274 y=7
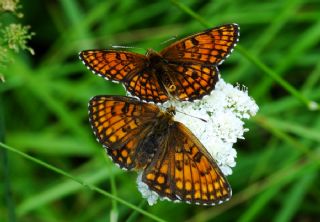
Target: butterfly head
x=171 y=110
x=167 y=116
x=155 y=59
x=151 y=52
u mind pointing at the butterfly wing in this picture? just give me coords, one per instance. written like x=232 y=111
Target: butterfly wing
x=120 y=124
x=147 y=87
x=210 y=47
x=193 y=60
x=113 y=65
x=127 y=68
x=193 y=81
x=185 y=171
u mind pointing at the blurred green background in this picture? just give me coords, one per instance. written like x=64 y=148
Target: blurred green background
x=43 y=109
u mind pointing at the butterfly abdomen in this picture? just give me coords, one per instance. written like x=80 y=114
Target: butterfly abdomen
x=152 y=143
x=162 y=71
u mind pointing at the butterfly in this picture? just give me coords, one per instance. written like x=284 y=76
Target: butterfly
x=185 y=70
x=174 y=163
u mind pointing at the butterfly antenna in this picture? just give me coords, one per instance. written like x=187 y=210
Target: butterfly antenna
x=125 y=47
x=192 y=116
x=2 y=79
x=169 y=40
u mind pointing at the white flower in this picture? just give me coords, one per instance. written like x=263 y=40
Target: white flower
x=223 y=111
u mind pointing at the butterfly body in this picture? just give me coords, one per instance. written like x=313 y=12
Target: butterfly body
x=151 y=144
x=174 y=163
x=185 y=70
x=160 y=68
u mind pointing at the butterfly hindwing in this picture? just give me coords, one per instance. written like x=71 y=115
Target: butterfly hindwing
x=193 y=81
x=147 y=87
x=120 y=124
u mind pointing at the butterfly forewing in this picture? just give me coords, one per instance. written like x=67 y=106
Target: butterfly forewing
x=183 y=170
x=210 y=47
x=208 y=184
x=113 y=65
x=120 y=124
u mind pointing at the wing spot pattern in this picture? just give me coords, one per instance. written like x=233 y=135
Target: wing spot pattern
x=205 y=49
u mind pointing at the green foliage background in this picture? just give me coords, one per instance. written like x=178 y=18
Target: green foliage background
x=43 y=110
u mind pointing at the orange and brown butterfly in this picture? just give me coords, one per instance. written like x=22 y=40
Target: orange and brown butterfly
x=185 y=70
x=174 y=163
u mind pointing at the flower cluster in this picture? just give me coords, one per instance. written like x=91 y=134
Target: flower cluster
x=13 y=36
x=16 y=37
